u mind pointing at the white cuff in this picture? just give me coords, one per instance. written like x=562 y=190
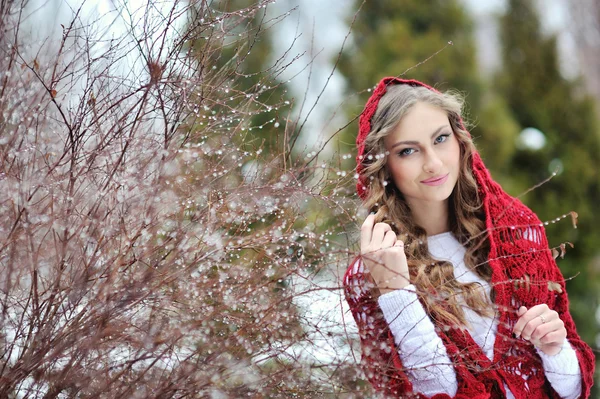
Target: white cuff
x=402 y=309
x=562 y=371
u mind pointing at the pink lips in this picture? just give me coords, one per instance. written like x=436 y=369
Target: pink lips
x=436 y=181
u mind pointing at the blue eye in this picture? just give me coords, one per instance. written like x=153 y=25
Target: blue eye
x=406 y=151
x=441 y=138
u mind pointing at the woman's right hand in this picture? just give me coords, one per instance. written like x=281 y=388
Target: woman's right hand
x=383 y=255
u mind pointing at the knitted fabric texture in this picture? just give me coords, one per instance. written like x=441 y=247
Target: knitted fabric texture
x=524 y=273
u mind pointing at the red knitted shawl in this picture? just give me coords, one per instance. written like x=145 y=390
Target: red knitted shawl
x=523 y=273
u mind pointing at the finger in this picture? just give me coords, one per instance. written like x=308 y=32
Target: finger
x=378 y=233
x=366 y=230
x=543 y=329
x=530 y=327
x=537 y=321
x=554 y=337
x=396 y=258
x=528 y=316
x=399 y=246
x=389 y=239
x=520 y=321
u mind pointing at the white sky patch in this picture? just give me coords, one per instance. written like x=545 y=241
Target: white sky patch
x=554 y=18
x=145 y=29
x=322 y=28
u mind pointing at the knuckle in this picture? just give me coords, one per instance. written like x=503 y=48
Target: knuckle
x=546 y=339
x=396 y=251
x=367 y=253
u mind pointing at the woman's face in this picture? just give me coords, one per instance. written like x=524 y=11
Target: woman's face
x=424 y=156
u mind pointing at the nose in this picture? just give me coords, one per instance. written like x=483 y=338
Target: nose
x=433 y=163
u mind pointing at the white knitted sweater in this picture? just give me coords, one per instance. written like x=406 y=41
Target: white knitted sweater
x=422 y=351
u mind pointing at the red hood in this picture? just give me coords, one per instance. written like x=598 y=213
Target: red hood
x=365 y=125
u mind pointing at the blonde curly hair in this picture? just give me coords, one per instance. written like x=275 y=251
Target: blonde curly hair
x=434 y=280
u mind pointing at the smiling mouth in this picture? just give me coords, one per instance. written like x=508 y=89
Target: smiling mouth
x=436 y=181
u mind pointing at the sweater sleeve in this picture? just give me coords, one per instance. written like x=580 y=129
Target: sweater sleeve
x=570 y=372
x=380 y=360
x=422 y=351
x=563 y=372
x=583 y=353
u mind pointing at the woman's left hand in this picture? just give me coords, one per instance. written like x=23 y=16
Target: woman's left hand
x=542 y=327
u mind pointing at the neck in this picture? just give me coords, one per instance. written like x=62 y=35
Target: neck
x=433 y=217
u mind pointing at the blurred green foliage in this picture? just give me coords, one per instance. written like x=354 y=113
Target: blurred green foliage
x=540 y=97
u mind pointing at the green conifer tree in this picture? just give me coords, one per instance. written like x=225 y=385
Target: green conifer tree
x=540 y=97
x=391 y=38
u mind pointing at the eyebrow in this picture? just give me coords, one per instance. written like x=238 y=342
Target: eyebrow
x=412 y=142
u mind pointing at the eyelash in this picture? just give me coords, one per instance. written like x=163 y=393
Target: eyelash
x=445 y=136
x=402 y=153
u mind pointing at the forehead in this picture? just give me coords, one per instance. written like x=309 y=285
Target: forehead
x=419 y=123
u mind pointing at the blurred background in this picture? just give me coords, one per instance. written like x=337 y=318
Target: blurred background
x=531 y=74
x=262 y=155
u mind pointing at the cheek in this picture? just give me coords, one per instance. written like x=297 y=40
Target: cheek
x=454 y=153
x=400 y=172
x=394 y=171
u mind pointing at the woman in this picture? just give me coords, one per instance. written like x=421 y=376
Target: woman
x=456 y=292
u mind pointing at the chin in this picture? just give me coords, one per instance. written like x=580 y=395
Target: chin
x=439 y=197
